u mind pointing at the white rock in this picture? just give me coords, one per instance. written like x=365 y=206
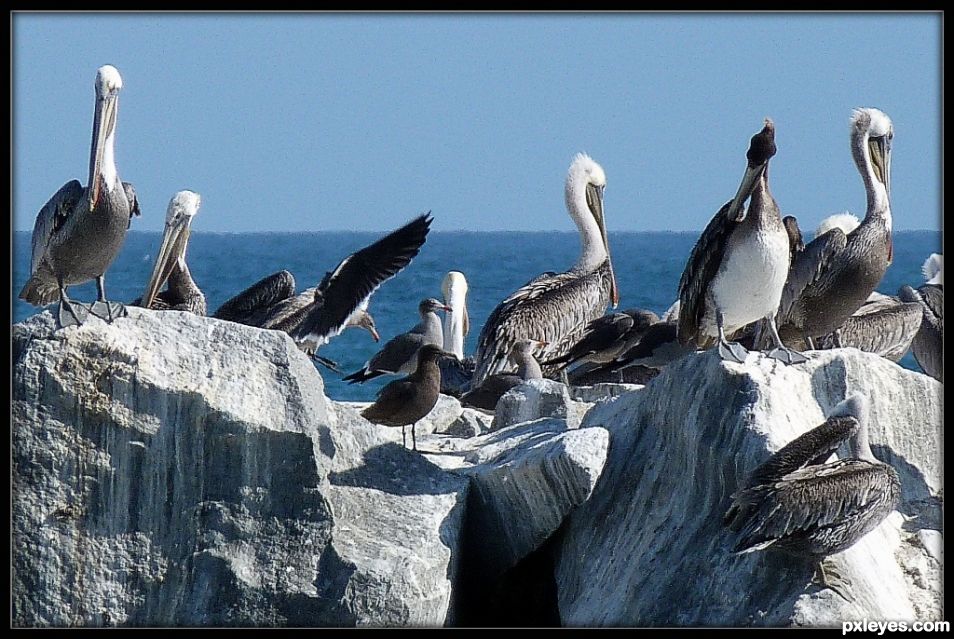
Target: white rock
x=178 y=470
x=538 y=398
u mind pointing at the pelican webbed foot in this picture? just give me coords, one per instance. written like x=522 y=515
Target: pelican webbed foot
x=732 y=352
x=830 y=580
x=108 y=311
x=70 y=313
x=786 y=356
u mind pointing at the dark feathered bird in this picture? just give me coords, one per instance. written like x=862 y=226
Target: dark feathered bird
x=340 y=300
x=836 y=272
x=405 y=401
x=399 y=354
x=736 y=271
x=181 y=293
x=928 y=343
x=607 y=337
x=493 y=388
x=797 y=503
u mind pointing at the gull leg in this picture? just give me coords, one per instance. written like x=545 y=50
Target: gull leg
x=104 y=309
x=730 y=351
x=781 y=352
x=69 y=313
x=413 y=438
x=404 y=436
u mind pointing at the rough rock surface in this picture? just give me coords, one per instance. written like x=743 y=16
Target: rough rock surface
x=538 y=398
x=470 y=423
x=600 y=392
x=213 y=483
x=208 y=484
x=649 y=548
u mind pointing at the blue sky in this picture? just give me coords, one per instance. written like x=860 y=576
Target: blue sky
x=307 y=122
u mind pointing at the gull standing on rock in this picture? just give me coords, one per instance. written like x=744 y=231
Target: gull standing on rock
x=737 y=269
x=399 y=354
x=556 y=307
x=406 y=401
x=80 y=231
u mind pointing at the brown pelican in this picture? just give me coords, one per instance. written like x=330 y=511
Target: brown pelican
x=884 y=325
x=339 y=301
x=457 y=322
x=492 y=389
x=182 y=294
x=557 y=306
x=607 y=337
x=658 y=347
x=796 y=503
x=737 y=269
x=79 y=232
x=405 y=401
x=929 y=340
x=399 y=354
x=836 y=272
x=795 y=242
x=456 y=370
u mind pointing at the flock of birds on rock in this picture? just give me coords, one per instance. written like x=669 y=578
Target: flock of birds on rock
x=750 y=284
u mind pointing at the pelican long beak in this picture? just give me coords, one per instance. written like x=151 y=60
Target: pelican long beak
x=737 y=210
x=880 y=151
x=174 y=242
x=104 y=124
x=594 y=200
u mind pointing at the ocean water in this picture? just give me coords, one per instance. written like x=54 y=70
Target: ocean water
x=648 y=267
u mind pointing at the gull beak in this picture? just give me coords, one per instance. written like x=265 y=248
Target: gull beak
x=104 y=123
x=174 y=242
x=594 y=200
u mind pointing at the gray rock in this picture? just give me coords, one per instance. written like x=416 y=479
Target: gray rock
x=601 y=391
x=470 y=423
x=649 y=548
x=526 y=479
x=170 y=469
x=538 y=398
